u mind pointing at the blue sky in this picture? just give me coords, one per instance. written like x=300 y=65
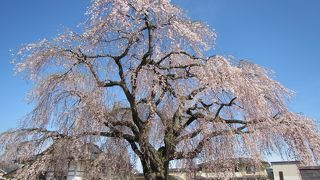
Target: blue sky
x=281 y=35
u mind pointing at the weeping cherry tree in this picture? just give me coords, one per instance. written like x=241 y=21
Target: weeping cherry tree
x=136 y=79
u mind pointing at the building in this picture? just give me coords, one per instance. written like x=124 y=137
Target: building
x=286 y=170
x=76 y=171
x=310 y=172
x=78 y=168
x=242 y=169
x=294 y=170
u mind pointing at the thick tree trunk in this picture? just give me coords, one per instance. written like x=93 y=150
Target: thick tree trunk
x=155 y=171
x=155 y=176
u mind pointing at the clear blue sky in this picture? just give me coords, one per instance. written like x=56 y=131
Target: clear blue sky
x=281 y=35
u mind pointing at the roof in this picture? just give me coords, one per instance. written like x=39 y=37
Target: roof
x=310 y=172
x=92 y=148
x=285 y=162
x=202 y=166
x=240 y=160
x=309 y=168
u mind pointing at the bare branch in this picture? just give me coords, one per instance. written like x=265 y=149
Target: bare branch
x=178 y=53
x=223 y=105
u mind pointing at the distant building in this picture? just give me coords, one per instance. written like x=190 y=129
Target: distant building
x=243 y=170
x=310 y=172
x=75 y=169
x=294 y=170
x=286 y=170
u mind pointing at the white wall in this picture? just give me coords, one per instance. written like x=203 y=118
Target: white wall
x=290 y=171
x=220 y=175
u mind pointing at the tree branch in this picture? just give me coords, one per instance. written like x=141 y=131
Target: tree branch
x=177 y=52
x=223 y=105
x=206 y=138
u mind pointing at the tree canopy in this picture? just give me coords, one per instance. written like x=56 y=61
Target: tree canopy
x=138 y=79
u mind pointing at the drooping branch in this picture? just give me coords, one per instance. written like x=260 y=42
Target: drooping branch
x=205 y=139
x=200 y=130
x=55 y=134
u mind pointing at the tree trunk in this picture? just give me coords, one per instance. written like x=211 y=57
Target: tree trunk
x=155 y=162
x=155 y=176
x=157 y=171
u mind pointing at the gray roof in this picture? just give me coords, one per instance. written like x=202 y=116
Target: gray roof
x=285 y=162
x=310 y=172
x=309 y=168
